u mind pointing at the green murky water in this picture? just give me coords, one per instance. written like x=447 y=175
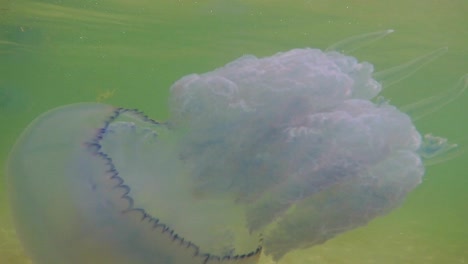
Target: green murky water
x=128 y=53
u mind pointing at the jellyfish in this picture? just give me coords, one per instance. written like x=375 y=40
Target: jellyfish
x=13 y=99
x=260 y=156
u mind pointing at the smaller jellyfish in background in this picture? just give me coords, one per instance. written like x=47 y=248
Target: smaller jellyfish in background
x=12 y=99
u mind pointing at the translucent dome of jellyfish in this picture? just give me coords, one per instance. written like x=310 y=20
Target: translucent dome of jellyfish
x=259 y=157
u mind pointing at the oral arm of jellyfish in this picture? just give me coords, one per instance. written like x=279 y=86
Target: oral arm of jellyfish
x=259 y=157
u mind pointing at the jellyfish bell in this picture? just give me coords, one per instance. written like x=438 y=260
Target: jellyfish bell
x=263 y=155
x=80 y=196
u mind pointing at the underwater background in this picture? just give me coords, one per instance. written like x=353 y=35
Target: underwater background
x=128 y=53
